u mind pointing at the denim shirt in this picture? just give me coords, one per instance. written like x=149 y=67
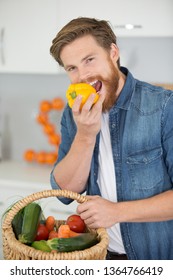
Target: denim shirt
x=141 y=129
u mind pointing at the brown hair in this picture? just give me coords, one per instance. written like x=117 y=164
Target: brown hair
x=76 y=28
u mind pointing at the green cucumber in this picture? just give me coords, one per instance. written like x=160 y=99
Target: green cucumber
x=31 y=218
x=80 y=242
x=17 y=223
x=41 y=245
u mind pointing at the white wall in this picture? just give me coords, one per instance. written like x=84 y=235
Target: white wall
x=149 y=59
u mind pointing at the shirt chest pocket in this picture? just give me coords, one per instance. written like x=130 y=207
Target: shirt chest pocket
x=145 y=169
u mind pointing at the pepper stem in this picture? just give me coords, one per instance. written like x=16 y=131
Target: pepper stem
x=73 y=94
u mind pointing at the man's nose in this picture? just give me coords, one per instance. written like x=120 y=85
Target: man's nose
x=84 y=75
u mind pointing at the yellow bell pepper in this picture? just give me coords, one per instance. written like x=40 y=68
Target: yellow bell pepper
x=82 y=89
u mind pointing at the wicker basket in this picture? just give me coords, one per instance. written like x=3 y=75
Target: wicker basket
x=15 y=250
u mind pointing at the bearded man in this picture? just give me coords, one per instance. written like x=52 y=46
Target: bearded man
x=118 y=150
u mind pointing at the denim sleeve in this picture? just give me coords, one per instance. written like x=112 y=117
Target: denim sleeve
x=167 y=134
x=68 y=132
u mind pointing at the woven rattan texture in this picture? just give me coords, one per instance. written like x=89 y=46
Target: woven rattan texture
x=15 y=250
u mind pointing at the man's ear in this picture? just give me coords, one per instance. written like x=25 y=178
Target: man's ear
x=114 y=52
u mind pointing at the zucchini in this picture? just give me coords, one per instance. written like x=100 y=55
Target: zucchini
x=17 y=223
x=80 y=242
x=31 y=218
x=41 y=245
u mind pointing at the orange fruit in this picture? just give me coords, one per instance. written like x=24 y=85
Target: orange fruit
x=51 y=157
x=41 y=157
x=29 y=155
x=49 y=128
x=42 y=118
x=54 y=139
x=57 y=103
x=45 y=106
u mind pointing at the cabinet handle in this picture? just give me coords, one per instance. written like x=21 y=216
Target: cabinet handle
x=2 y=45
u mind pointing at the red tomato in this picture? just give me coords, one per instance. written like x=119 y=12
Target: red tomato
x=42 y=233
x=76 y=223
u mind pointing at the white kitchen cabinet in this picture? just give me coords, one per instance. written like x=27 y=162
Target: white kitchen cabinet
x=26 y=31
x=28 y=27
x=150 y=18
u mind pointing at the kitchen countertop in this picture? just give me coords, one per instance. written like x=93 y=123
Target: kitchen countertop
x=22 y=173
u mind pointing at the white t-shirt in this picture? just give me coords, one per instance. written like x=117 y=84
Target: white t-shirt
x=107 y=182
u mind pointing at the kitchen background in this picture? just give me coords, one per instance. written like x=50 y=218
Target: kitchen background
x=28 y=74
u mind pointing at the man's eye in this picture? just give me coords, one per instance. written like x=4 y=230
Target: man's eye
x=70 y=69
x=89 y=59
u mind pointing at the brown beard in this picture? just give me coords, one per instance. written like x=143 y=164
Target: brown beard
x=111 y=85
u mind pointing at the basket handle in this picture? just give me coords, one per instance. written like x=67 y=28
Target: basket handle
x=36 y=196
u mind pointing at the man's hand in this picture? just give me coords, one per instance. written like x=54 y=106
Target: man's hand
x=88 y=119
x=98 y=212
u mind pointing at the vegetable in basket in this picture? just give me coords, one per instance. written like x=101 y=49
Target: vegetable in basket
x=17 y=223
x=31 y=218
x=44 y=228
x=41 y=245
x=80 y=242
x=76 y=223
x=42 y=232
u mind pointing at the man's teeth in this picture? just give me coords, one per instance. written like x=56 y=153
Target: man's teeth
x=93 y=83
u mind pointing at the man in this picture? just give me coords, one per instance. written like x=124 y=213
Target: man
x=119 y=150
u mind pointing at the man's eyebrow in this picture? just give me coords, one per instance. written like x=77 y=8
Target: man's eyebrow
x=87 y=56
x=68 y=66
x=83 y=59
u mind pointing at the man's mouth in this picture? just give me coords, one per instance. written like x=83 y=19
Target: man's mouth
x=97 y=85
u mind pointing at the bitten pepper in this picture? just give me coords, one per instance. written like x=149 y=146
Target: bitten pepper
x=82 y=89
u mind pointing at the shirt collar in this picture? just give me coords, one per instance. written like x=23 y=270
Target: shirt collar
x=124 y=99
